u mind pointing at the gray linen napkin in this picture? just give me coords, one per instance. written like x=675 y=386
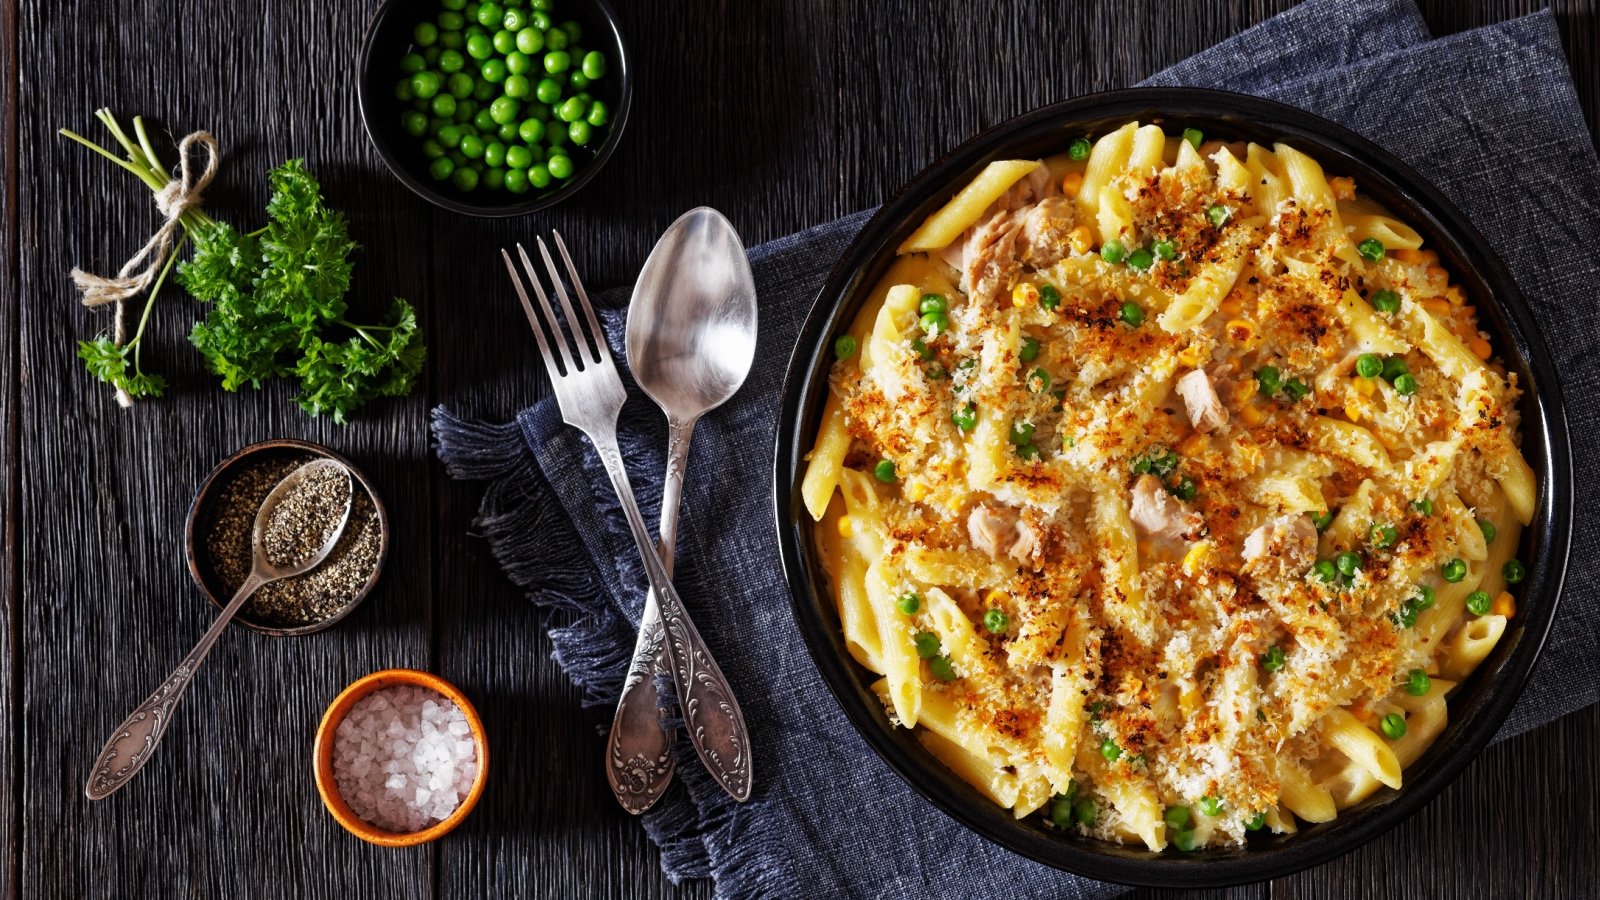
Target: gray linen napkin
x=1489 y=116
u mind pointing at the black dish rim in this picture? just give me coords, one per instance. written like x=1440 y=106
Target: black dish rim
x=1482 y=701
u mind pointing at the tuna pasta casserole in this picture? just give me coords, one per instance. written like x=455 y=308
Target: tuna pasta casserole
x=1170 y=487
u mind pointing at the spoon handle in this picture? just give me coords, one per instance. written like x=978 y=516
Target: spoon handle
x=135 y=739
x=639 y=762
x=710 y=712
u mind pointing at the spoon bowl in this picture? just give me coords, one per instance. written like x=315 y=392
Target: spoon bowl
x=261 y=562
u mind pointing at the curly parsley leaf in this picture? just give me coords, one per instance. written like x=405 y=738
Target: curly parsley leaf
x=109 y=363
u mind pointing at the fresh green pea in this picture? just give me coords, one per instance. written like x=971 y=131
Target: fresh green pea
x=1029 y=349
x=1369 y=365
x=1165 y=249
x=934 y=323
x=1479 y=602
x=1453 y=571
x=1038 y=381
x=461 y=85
x=580 y=80
x=465 y=178
x=884 y=471
x=556 y=61
x=933 y=303
x=556 y=39
x=414 y=123
x=515 y=19
x=1185 y=841
x=1370 y=249
x=412 y=63
x=927 y=644
x=480 y=47
x=441 y=168
x=1513 y=571
x=507 y=132
x=518 y=63
x=1406 y=615
x=453 y=4
x=1382 y=536
x=556 y=137
x=432 y=149
x=1141 y=260
x=444 y=105
x=1418 y=683
x=1028 y=452
x=995 y=621
x=942 y=669
x=844 y=346
x=494 y=154
x=430 y=55
x=965 y=417
x=531 y=130
x=450 y=135
x=539 y=175
x=1185 y=489
x=599 y=114
x=1049 y=297
x=1273 y=659
x=472 y=146
x=594 y=65
x=451 y=40
x=1424 y=598
x=571 y=110
x=547 y=91
x=517 y=86
x=560 y=167
x=483 y=91
x=1325 y=571
x=1084 y=812
x=1178 y=817
x=503 y=110
x=908 y=604
x=1385 y=301
x=490 y=14
x=504 y=42
x=1131 y=313
x=1211 y=806
x=1268 y=380
x=426 y=84
x=1061 y=811
x=1218 y=215
x=404 y=93
x=494 y=179
x=1489 y=531
x=1110 y=750
x=456 y=159
x=1295 y=390
x=1393 y=726
x=1394 y=367
x=1113 y=251
x=425 y=34
x=1079 y=149
x=1193 y=136
x=494 y=70
x=573 y=29
x=450 y=20
x=540 y=19
x=1423 y=506
x=530 y=40
x=1022 y=433
x=483 y=121
x=451 y=61
x=1405 y=385
x=1348 y=562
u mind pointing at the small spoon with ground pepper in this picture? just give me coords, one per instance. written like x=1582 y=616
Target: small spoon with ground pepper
x=297 y=527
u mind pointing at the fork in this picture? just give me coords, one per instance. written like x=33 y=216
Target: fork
x=590 y=394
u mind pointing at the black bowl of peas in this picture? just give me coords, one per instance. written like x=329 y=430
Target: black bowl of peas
x=494 y=107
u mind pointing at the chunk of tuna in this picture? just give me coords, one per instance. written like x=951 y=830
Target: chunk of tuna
x=1156 y=512
x=1287 y=541
x=1206 y=412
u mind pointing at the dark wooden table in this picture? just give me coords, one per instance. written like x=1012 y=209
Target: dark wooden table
x=783 y=115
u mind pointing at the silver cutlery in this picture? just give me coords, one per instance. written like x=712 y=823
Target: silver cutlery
x=691 y=339
x=132 y=744
x=590 y=394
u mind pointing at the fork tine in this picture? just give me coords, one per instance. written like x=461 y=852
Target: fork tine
x=533 y=318
x=566 y=305
x=583 y=296
x=556 y=337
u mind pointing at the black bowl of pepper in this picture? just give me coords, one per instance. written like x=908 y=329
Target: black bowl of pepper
x=217 y=542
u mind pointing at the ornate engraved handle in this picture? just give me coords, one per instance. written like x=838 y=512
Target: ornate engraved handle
x=639 y=762
x=136 y=738
x=715 y=722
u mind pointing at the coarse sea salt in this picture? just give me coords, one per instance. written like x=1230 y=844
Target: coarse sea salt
x=403 y=758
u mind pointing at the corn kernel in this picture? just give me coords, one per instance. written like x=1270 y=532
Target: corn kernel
x=995 y=597
x=1025 y=294
x=1429 y=257
x=1196 y=557
x=1437 y=275
x=1194 y=445
x=1504 y=605
x=1352 y=410
x=1250 y=415
x=846 y=527
x=1438 y=306
x=1231 y=305
x=1455 y=295
x=1189 y=701
x=1409 y=257
x=1343 y=188
x=1080 y=239
x=1480 y=347
x=1189 y=356
x=1366 y=387
x=915 y=491
x=1243 y=391
x=1072 y=183
x=1241 y=332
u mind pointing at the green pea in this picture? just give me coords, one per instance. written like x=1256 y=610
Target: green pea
x=515 y=20
x=451 y=21
x=1038 y=381
x=908 y=603
x=461 y=85
x=1405 y=385
x=517 y=86
x=1393 y=726
x=1424 y=597
x=1193 y=136
x=547 y=91
x=1061 y=811
x=1028 y=452
x=430 y=55
x=1211 y=806
x=494 y=179
x=432 y=149
x=884 y=471
x=441 y=168
x=503 y=110
x=451 y=61
x=1085 y=812
x=581 y=132
x=1141 y=260
x=599 y=114
x=560 y=167
x=1029 y=349
x=1185 y=489
x=1423 y=506
x=927 y=644
x=518 y=63
x=580 y=80
x=844 y=346
x=1513 y=571
x=1110 y=750
x=1478 y=603
x=465 y=178
x=1295 y=390
x=1489 y=531
x=1406 y=615
x=451 y=40
x=1382 y=536
x=426 y=84
x=1178 y=817
x=444 y=105
x=921 y=348
x=995 y=621
x=1394 y=367
x=556 y=39
x=480 y=47
x=540 y=19
x=931 y=303
x=934 y=324
x=483 y=121
x=1369 y=365
x=1049 y=297
x=1113 y=251
x=1453 y=571
x=530 y=41
x=531 y=130
x=453 y=4
x=1268 y=381
x=1418 y=683
x=1218 y=215
x=404 y=93
x=494 y=154
x=1385 y=301
x=494 y=70
x=1370 y=249
x=571 y=110
x=507 y=133
x=934 y=372
x=556 y=61
x=594 y=65
x=1324 y=571
x=472 y=146
x=965 y=417
x=1079 y=149
x=483 y=91
x=1185 y=841
x=1256 y=822
x=1323 y=519
x=942 y=669
x=412 y=63
x=490 y=14
x=1348 y=562
x=573 y=30
x=414 y=123
x=425 y=34
x=539 y=175
x=1165 y=249
x=1273 y=659
x=450 y=135
x=1022 y=433
x=1131 y=313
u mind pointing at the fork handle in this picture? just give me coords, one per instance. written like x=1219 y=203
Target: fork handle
x=639 y=763
x=710 y=711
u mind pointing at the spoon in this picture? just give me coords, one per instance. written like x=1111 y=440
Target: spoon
x=135 y=739
x=691 y=339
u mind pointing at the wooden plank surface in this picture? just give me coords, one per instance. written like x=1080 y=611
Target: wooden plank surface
x=782 y=114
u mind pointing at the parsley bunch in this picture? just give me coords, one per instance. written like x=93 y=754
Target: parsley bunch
x=278 y=307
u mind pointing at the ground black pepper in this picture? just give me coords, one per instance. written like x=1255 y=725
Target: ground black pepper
x=304 y=599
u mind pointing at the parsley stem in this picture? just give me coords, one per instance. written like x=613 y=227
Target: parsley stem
x=150 y=301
